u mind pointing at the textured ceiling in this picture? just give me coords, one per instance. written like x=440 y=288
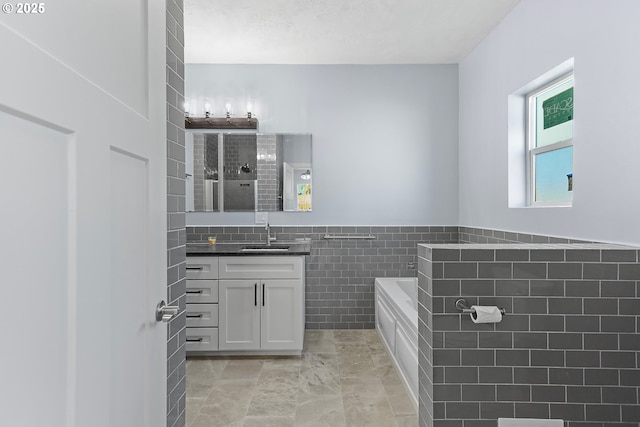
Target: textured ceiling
x=337 y=31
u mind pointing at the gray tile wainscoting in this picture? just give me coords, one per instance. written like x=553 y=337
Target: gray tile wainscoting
x=487 y=235
x=567 y=348
x=340 y=273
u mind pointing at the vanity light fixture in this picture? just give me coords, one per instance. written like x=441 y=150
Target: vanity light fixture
x=225 y=122
x=306 y=175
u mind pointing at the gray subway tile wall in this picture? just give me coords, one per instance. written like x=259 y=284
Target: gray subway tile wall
x=269 y=195
x=485 y=235
x=176 y=233
x=198 y=171
x=340 y=274
x=240 y=149
x=567 y=348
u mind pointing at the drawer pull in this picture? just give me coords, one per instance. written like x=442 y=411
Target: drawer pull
x=194 y=315
x=199 y=291
x=195 y=268
x=194 y=339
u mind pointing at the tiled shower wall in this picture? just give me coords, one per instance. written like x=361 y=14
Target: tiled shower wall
x=210 y=153
x=340 y=273
x=198 y=171
x=567 y=348
x=268 y=192
x=176 y=234
x=238 y=150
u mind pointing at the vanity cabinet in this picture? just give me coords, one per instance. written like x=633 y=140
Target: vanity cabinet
x=202 y=303
x=261 y=303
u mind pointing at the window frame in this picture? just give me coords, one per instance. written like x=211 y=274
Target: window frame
x=532 y=151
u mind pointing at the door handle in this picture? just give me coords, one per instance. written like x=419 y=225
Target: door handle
x=255 y=294
x=263 y=294
x=164 y=312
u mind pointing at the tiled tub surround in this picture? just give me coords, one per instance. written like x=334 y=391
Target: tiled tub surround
x=487 y=235
x=340 y=274
x=567 y=348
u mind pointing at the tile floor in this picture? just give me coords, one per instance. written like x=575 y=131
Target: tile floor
x=344 y=378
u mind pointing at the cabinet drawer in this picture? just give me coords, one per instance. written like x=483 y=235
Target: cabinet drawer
x=262 y=267
x=202 y=315
x=202 y=267
x=201 y=339
x=202 y=291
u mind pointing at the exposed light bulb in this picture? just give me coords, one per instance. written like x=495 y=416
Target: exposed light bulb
x=227 y=108
x=249 y=109
x=207 y=110
x=186 y=109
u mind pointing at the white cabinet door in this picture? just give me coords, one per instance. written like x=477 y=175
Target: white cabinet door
x=281 y=315
x=239 y=323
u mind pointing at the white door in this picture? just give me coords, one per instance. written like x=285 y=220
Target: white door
x=239 y=321
x=83 y=213
x=281 y=316
x=289 y=195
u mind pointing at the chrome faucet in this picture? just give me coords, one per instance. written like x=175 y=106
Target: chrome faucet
x=269 y=237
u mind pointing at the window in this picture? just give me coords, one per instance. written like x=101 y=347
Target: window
x=550 y=144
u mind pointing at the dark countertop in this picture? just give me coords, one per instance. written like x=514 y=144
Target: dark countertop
x=234 y=249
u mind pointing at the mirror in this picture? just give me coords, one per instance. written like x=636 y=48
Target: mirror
x=240 y=167
x=204 y=174
x=296 y=172
x=260 y=172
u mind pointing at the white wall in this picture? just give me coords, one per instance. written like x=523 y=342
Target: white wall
x=603 y=37
x=384 y=136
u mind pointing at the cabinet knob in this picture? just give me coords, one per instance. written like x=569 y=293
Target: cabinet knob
x=166 y=312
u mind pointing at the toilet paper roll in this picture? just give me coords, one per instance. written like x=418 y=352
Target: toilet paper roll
x=486 y=314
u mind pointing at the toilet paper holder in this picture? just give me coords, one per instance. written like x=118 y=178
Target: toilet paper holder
x=463 y=306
